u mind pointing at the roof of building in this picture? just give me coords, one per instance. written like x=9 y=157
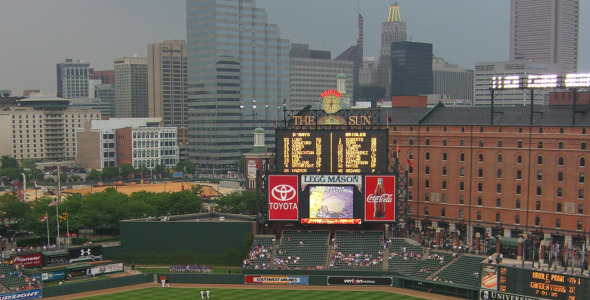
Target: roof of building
x=394 y=14
x=504 y=115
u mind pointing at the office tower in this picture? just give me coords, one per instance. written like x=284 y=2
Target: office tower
x=411 y=69
x=452 y=82
x=167 y=82
x=131 y=99
x=355 y=54
x=484 y=71
x=106 y=94
x=545 y=31
x=312 y=72
x=72 y=79
x=238 y=76
x=105 y=76
x=394 y=30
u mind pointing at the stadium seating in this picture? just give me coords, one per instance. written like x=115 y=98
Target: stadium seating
x=464 y=270
x=302 y=250
x=260 y=252
x=357 y=249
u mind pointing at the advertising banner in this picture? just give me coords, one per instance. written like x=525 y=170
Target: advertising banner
x=381 y=281
x=380 y=198
x=85 y=253
x=55 y=275
x=29 y=260
x=489 y=278
x=28 y=294
x=56 y=259
x=106 y=269
x=251 y=168
x=283 y=197
x=252 y=279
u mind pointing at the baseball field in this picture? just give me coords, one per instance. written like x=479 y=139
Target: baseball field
x=156 y=293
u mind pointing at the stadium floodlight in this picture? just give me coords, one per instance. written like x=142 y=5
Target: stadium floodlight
x=505 y=82
x=581 y=80
x=545 y=81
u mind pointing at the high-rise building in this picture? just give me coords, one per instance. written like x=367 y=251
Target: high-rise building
x=105 y=76
x=72 y=79
x=452 y=82
x=131 y=99
x=484 y=71
x=545 y=31
x=167 y=82
x=411 y=69
x=106 y=94
x=43 y=127
x=238 y=76
x=355 y=54
x=312 y=72
x=394 y=30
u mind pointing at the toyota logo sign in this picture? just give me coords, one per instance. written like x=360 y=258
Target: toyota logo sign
x=283 y=197
x=283 y=192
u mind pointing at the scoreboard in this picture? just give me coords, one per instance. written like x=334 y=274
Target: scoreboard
x=536 y=283
x=332 y=151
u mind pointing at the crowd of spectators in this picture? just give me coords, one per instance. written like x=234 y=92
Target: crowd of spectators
x=259 y=256
x=355 y=259
x=190 y=269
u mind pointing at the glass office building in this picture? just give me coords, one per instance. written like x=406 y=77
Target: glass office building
x=238 y=76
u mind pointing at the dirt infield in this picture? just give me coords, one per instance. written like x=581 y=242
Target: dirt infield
x=246 y=286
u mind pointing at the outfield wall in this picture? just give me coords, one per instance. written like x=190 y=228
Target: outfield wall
x=97 y=284
x=200 y=237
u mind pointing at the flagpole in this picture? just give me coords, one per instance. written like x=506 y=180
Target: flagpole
x=57 y=204
x=47 y=223
x=68 y=226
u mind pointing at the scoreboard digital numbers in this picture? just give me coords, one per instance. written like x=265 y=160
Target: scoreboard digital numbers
x=541 y=284
x=334 y=151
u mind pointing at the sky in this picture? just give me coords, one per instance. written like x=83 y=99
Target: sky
x=36 y=35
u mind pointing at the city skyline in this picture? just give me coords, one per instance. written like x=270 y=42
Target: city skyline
x=121 y=29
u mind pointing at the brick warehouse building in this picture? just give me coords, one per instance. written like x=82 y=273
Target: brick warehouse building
x=501 y=177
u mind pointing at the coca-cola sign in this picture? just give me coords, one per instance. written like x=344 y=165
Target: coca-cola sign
x=283 y=197
x=30 y=260
x=380 y=198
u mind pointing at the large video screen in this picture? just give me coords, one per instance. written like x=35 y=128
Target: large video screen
x=331 y=151
x=331 y=202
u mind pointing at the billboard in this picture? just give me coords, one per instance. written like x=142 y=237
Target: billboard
x=30 y=260
x=331 y=202
x=374 y=281
x=254 y=279
x=380 y=198
x=283 y=197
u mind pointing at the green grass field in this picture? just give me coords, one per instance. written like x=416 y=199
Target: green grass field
x=251 y=294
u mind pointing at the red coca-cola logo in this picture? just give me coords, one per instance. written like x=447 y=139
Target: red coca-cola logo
x=383 y=198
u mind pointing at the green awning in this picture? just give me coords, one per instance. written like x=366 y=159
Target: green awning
x=56 y=253
x=509 y=241
x=75 y=267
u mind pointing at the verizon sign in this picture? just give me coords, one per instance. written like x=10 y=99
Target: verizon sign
x=283 y=197
x=31 y=260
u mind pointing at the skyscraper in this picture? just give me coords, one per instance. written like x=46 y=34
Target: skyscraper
x=72 y=79
x=394 y=30
x=312 y=72
x=545 y=31
x=167 y=82
x=355 y=54
x=238 y=76
x=131 y=87
x=411 y=69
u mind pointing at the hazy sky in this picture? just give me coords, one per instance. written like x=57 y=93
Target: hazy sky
x=36 y=35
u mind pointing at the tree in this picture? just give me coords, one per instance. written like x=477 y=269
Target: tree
x=159 y=170
x=8 y=162
x=185 y=166
x=93 y=175
x=29 y=163
x=126 y=170
x=242 y=202
x=110 y=173
x=184 y=202
x=14 y=208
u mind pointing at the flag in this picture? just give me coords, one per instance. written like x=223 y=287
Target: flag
x=43 y=218
x=275 y=121
x=398 y=149
x=52 y=203
x=410 y=163
x=64 y=216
